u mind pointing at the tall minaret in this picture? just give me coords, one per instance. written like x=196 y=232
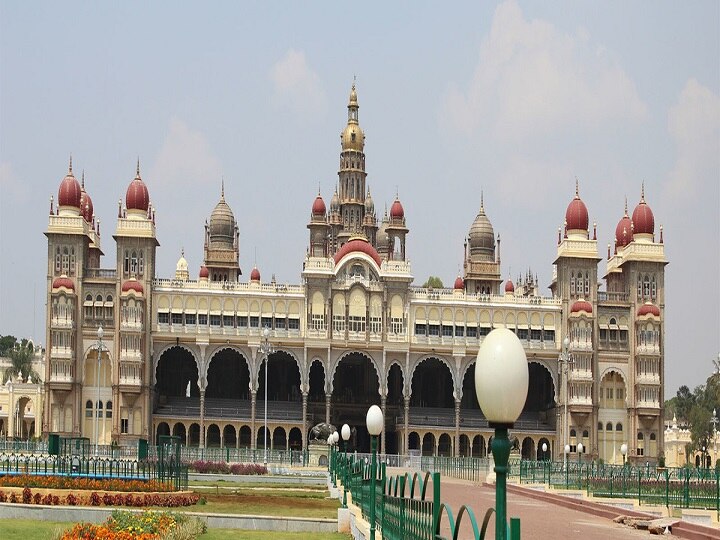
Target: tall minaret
x=352 y=174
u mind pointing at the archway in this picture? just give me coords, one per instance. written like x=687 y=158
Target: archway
x=464 y=445
x=428 y=445
x=176 y=372
x=469 y=402
x=541 y=394
x=543 y=455
x=179 y=431
x=194 y=435
x=478 y=448
x=260 y=438
x=612 y=412
x=296 y=439
x=279 y=440
x=228 y=376
x=229 y=439
x=432 y=385
x=528 y=448
x=394 y=406
x=445 y=445
x=414 y=441
x=162 y=429
x=245 y=437
x=355 y=388
x=283 y=378
x=212 y=438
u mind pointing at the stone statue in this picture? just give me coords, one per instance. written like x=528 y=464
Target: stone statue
x=320 y=433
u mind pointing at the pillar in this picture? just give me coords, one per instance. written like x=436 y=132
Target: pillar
x=202 y=419
x=253 y=435
x=456 y=443
x=327 y=408
x=304 y=421
x=383 y=402
x=406 y=435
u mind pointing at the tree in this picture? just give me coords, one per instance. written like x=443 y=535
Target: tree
x=6 y=344
x=21 y=363
x=433 y=282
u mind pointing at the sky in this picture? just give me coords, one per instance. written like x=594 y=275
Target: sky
x=514 y=100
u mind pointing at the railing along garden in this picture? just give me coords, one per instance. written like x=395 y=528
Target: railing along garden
x=681 y=487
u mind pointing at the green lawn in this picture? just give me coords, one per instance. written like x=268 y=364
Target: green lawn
x=26 y=529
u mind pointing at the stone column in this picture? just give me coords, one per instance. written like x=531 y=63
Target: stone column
x=327 y=408
x=383 y=401
x=253 y=435
x=304 y=420
x=406 y=434
x=202 y=419
x=456 y=451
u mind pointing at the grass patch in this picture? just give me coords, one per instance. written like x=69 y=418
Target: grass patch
x=223 y=534
x=23 y=529
x=268 y=485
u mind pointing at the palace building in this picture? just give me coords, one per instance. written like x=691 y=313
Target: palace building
x=181 y=354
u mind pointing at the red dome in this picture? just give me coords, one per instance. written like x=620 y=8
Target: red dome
x=70 y=192
x=204 y=272
x=358 y=244
x=648 y=308
x=396 y=210
x=459 y=283
x=581 y=305
x=86 y=206
x=255 y=274
x=623 y=231
x=132 y=284
x=318 y=207
x=576 y=215
x=63 y=281
x=509 y=286
x=643 y=219
x=137 y=197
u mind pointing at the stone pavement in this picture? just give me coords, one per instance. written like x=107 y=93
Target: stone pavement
x=538 y=519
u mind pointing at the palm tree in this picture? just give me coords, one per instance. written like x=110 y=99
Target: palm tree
x=21 y=364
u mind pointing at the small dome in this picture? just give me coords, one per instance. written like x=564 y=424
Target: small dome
x=576 y=215
x=624 y=230
x=63 y=281
x=255 y=274
x=459 y=283
x=204 y=272
x=482 y=237
x=132 y=284
x=643 y=218
x=396 y=210
x=369 y=204
x=335 y=202
x=353 y=138
x=70 y=192
x=182 y=264
x=137 y=196
x=86 y=206
x=509 y=286
x=361 y=245
x=318 y=207
x=222 y=225
x=381 y=238
x=580 y=306
x=648 y=308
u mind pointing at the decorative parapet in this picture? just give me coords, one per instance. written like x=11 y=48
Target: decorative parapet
x=578 y=248
x=170 y=285
x=141 y=228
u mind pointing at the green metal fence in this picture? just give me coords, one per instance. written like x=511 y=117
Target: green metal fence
x=682 y=487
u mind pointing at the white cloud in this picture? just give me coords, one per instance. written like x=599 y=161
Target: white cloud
x=694 y=125
x=185 y=158
x=533 y=80
x=296 y=86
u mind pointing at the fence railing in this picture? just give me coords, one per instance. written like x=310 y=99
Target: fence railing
x=681 y=487
x=405 y=506
x=283 y=458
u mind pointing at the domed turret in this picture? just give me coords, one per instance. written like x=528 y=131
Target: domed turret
x=69 y=193
x=369 y=204
x=624 y=230
x=643 y=218
x=335 y=203
x=132 y=285
x=576 y=215
x=181 y=269
x=204 y=273
x=647 y=309
x=580 y=306
x=86 y=204
x=459 y=284
x=396 y=210
x=352 y=137
x=137 y=198
x=222 y=225
x=482 y=237
x=255 y=275
x=318 y=207
x=509 y=287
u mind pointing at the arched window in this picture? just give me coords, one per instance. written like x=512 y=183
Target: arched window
x=600 y=426
x=573 y=433
x=618 y=427
x=640 y=436
x=126 y=262
x=587 y=285
x=585 y=434
x=108 y=409
x=133 y=263
x=646 y=287
x=72 y=261
x=653 y=290
x=88 y=409
x=99 y=409
x=141 y=263
x=608 y=427
x=572 y=283
x=652 y=436
x=65 y=261
x=58 y=260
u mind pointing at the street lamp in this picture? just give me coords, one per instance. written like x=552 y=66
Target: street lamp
x=565 y=360
x=580 y=449
x=623 y=451
x=567 y=465
x=345 y=431
x=374 y=421
x=501 y=386
x=334 y=438
x=545 y=463
x=100 y=334
x=266 y=350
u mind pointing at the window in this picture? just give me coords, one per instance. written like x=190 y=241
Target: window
x=472 y=331
x=572 y=284
x=177 y=318
x=88 y=409
x=99 y=409
x=65 y=261
x=600 y=426
x=108 y=409
x=459 y=331
x=124 y=425
x=163 y=318
x=585 y=434
x=72 y=261
x=293 y=324
x=214 y=320
x=254 y=321
x=609 y=426
x=433 y=329
x=447 y=330
x=141 y=264
x=228 y=321
x=58 y=260
x=190 y=319
x=356 y=323
x=522 y=333
x=420 y=329
x=618 y=427
x=126 y=262
x=133 y=263
x=548 y=335
x=202 y=319
x=266 y=321
x=242 y=321
x=485 y=330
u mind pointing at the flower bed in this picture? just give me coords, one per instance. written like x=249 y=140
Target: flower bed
x=221 y=467
x=76 y=483
x=149 y=525
x=93 y=498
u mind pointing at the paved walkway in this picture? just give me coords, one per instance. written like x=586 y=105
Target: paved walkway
x=538 y=519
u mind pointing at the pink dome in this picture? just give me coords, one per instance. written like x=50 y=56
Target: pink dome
x=318 y=207
x=204 y=272
x=132 y=284
x=459 y=283
x=255 y=274
x=63 y=281
x=623 y=231
x=86 y=206
x=576 y=215
x=648 y=308
x=70 y=192
x=137 y=196
x=509 y=286
x=581 y=305
x=643 y=218
x=361 y=245
x=396 y=210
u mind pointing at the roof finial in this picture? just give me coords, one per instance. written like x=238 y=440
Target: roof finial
x=82 y=182
x=318 y=188
x=626 y=214
x=137 y=169
x=482 y=200
x=642 y=192
x=70 y=166
x=222 y=187
x=182 y=251
x=577 y=188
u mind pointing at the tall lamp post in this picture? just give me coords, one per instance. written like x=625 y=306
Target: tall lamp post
x=623 y=451
x=567 y=468
x=335 y=438
x=501 y=386
x=266 y=350
x=545 y=463
x=565 y=361
x=345 y=432
x=100 y=334
x=375 y=421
